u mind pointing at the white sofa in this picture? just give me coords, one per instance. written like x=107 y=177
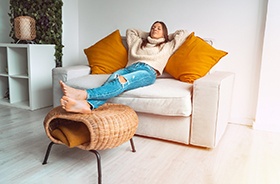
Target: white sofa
x=191 y=114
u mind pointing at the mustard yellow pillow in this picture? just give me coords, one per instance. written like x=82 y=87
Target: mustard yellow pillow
x=193 y=59
x=107 y=55
x=73 y=134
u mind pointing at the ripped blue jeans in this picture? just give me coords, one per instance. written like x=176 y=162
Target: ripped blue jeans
x=136 y=75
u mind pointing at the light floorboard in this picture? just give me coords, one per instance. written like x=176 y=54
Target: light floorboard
x=244 y=156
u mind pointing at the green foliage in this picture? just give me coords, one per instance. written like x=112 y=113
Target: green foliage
x=48 y=16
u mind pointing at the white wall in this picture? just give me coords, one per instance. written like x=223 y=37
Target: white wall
x=236 y=26
x=70 y=28
x=5 y=22
x=269 y=101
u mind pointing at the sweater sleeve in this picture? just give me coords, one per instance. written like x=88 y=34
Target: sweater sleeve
x=177 y=38
x=133 y=35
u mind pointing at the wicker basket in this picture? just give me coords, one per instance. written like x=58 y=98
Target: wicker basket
x=109 y=126
x=25 y=28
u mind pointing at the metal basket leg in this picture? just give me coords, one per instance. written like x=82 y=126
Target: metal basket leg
x=98 y=157
x=48 y=153
x=132 y=145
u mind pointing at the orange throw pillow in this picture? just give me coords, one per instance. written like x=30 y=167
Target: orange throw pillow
x=107 y=55
x=193 y=59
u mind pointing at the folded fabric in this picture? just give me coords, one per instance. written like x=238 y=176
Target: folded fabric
x=72 y=133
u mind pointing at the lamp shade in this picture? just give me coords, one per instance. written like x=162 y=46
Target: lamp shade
x=25 y=28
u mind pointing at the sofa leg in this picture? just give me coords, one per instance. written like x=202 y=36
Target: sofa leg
x=48 y=153
x=98 y=165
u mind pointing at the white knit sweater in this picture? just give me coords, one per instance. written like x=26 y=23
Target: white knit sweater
x=152 y=55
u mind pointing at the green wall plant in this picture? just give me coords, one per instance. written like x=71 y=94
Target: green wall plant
x=48 y=16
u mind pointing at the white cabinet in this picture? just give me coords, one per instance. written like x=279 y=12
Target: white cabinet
x=25 y=75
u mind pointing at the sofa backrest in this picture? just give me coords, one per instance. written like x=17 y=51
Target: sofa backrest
x=164 y=74
x=124 y=42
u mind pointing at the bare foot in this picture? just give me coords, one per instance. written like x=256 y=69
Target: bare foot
x=73 y=105
x=73 y=93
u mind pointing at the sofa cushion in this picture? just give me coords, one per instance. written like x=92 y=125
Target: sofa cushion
x=167 y=96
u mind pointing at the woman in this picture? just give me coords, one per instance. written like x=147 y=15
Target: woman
x=148 y=54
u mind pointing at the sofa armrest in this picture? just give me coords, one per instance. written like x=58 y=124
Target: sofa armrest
x=65 y=74
x=212 y=96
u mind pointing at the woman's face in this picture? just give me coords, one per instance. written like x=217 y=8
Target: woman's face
x=156 y=31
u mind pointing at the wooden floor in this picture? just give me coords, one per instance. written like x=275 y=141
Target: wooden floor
x=244 y=156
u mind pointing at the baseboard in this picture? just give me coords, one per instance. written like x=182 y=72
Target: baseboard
x=255 y=125
x=242 y=121
x=267 y=127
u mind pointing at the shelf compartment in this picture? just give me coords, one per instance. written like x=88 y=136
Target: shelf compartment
x=18 y=60
x=4 y=89
x=3 y=61
x=19 y=92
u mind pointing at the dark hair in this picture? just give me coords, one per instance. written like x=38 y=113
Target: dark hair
x=165 y=34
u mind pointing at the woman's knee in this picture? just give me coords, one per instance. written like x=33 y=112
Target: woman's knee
x=122 y=79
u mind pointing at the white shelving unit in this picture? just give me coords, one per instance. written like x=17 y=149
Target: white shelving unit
x=25 y=75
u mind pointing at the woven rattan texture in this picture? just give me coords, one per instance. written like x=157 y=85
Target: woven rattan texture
x=110 y=125
x=25 y=28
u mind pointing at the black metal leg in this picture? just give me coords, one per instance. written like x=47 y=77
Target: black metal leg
x=98 y=165
x=132 y=145
x=48 y=153
x=93 y=151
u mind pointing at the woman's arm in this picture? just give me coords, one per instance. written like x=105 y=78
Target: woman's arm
x=135 y=35
x=178 y=34
x=177 y=38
